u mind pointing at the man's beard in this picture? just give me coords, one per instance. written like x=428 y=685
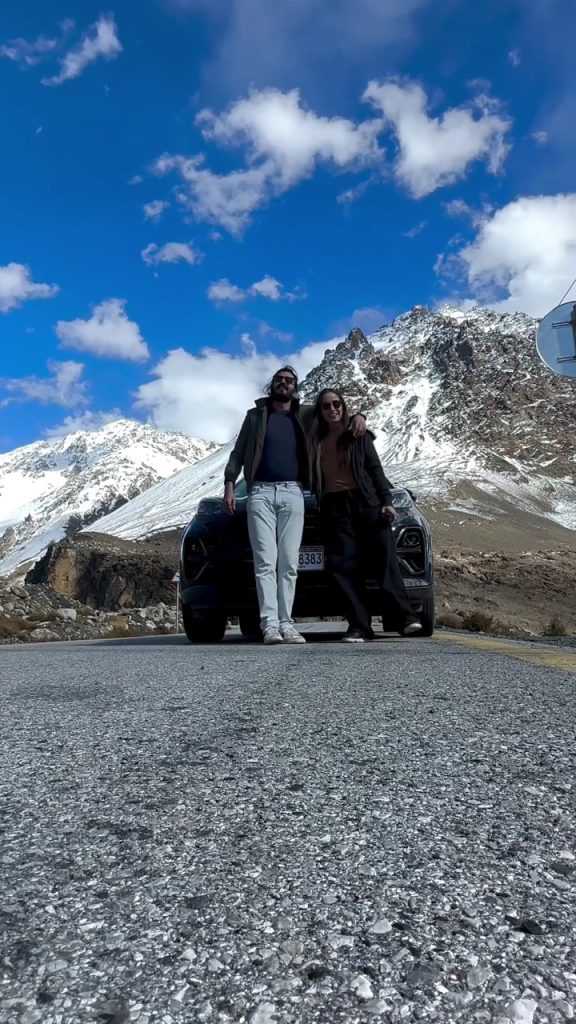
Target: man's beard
x=281 y=396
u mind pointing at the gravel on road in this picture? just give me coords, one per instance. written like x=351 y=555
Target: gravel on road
x=316 y=834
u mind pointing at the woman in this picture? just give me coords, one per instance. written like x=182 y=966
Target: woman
x=356 y=514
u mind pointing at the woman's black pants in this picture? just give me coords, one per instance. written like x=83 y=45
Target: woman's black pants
x=359 y=543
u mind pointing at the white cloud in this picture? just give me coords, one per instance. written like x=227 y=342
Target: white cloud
x=27 y=53
x=267 y=330
x=437 y=151
x=171 y=252
x=224 y=291
x=276 y=126
x=268 y=288
x=459 y=208
x=351 y=195
x=524 y=254
x=137 y=179
x=65 y=387
x=314 y=42
x=100 y=41
x=416 y=230
x=155 y=209
x=540 y=138
x=515 y=58
x=367 y=318
x=283 y=142
x=108 y=332
x=222 y=386
x=17 y=286
x=88 y=420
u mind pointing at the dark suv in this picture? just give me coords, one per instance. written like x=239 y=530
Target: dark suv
x=217 y=572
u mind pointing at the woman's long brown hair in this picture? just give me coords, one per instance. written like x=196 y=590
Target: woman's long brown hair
x=320 y=427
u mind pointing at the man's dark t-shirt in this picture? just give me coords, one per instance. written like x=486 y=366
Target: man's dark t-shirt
x=282 y=455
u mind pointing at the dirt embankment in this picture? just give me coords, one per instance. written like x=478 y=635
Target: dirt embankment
x=518 y=590
x=521 y=590
x=111 y=574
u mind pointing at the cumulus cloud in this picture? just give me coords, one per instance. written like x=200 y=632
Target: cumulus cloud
x=88 y=420
x=154 y=209
x=17 y=286
x=100 y=41
x=524 y=254
x=283 y=142
x=515 y=58
x=63 y=387
x=108 y=332
x=223 y=291
x=171 y=252
x=207 y=394
x=540 y=138
x=437 y=151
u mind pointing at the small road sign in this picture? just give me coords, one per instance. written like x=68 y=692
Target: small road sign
x=176 y=577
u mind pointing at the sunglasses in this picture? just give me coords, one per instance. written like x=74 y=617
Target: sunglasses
x=336 y=404
x=284 y=380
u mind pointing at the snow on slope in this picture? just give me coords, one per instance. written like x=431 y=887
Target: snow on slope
x=49 y=487
x=171 y=504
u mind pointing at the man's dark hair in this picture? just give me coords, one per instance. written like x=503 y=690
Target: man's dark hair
x=284 y=369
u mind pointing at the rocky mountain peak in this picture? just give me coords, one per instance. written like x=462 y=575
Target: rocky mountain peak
x=356 y=339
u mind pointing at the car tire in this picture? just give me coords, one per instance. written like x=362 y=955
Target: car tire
x=250 y=625
x=204 y=628
x=428 y=616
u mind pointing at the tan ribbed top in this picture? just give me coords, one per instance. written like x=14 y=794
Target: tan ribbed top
x=337 y=474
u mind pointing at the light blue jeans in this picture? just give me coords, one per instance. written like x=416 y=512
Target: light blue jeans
x=275 y=525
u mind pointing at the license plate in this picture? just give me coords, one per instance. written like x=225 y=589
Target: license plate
x=311 y=560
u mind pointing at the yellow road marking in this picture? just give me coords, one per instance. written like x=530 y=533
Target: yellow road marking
x=564 y=660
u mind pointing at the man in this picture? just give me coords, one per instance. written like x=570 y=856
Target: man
x=272 y=450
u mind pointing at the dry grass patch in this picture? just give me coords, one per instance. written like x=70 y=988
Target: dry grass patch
x=555 y=627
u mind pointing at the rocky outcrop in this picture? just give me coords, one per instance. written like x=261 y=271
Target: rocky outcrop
x=110 y=574
x=31 y=613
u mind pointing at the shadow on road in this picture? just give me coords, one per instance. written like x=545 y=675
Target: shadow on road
x=232 y=639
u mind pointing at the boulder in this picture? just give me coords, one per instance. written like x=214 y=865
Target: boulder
x=67 y=614
x=42 y=635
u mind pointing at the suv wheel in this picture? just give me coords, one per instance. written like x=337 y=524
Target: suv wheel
x=204 y=627
x=250 y=625
x=428 y=616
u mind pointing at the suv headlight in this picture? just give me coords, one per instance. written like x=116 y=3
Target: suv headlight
x=410 y=539
x=401 y=499
x=209 y=507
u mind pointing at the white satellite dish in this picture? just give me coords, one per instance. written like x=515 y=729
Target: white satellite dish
x=556 y=339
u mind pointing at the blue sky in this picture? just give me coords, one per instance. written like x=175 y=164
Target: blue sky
x=193 y=190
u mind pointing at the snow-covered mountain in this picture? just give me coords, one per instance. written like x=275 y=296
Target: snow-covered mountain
x=171 y=504
x=51 y=488
x=463 y=409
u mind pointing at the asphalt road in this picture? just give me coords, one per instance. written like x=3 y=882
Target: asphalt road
x=272 y=835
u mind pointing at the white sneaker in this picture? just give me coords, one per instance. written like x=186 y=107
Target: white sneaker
x=412 y=628
x=272 y=636
x=290 y=635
